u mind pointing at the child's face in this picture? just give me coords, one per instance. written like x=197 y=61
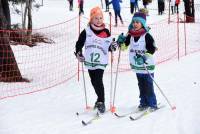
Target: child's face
x=97 y=20
x=137 y=25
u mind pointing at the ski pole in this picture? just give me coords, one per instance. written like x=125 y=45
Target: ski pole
x=116 y=77
x=85 y=91
x=172 y=107
x=111 y=81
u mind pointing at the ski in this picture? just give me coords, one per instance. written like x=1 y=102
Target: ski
x=135 y=111
x=125 y=114
x=96 y=117
x=139 y=116
x=144 y=113
x=85 y=112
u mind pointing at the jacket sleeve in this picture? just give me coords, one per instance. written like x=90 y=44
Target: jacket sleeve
x=81 y=41
x=150 y=44
x=127 y=41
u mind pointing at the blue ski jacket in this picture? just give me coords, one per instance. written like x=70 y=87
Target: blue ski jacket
x=116 y=4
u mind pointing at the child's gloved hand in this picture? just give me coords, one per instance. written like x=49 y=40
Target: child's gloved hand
x=141 y=59
x=123 y=47
x=113 y=46
x=121 y=39
x=80 y=57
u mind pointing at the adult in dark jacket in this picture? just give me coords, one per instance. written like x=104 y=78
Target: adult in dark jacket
x=117 y=10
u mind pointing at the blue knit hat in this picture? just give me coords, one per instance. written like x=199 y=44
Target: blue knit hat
x=141 y=17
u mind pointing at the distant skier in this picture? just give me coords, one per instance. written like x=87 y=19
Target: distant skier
x=107 y=5
x=70 y=5
x=176 y=6
x=172 y=4
x=132 y=6
x=97 y=41
x=80 y=5
x=141 y=49
x=161 y=6
x=117 y=10
x=145 y=3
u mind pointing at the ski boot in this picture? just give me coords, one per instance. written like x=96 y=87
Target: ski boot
x=152 y=108
x=142 y=107
x=100 y=106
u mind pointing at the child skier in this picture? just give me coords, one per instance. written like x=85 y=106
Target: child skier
x=141 y=52
x=97 y=41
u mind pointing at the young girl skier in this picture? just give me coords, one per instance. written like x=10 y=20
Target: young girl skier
x=97 y=42
x=141 y=50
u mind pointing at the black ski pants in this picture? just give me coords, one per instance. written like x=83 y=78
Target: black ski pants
x=96 y=77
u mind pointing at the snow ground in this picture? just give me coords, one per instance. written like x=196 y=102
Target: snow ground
x=53 y=111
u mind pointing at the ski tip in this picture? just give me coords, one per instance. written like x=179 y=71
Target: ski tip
x=174 y=108
x=131 y=118
x=116 y=114
x=83 y=123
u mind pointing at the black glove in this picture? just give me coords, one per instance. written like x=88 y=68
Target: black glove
x=113 y=45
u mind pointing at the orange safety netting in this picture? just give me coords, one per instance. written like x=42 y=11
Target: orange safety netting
x=51 y=62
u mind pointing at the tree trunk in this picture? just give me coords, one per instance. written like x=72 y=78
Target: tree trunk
x=29 y=32
x=9 y=71
x=25 y=14
x=193 y=11
x=6 y=11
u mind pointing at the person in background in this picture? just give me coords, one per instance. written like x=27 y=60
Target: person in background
x=70 y=5
x=132 y=6
x=107 y=5
x=145 y=3
x=177 y=2
x=97 y=42
x=136 y=6
x=161 y=5
x=189 y=10
x=172 y=4
x=141 y=49
x=117 y=10
x=80 y=5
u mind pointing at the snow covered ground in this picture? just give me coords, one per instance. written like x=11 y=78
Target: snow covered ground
x=53 y=111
